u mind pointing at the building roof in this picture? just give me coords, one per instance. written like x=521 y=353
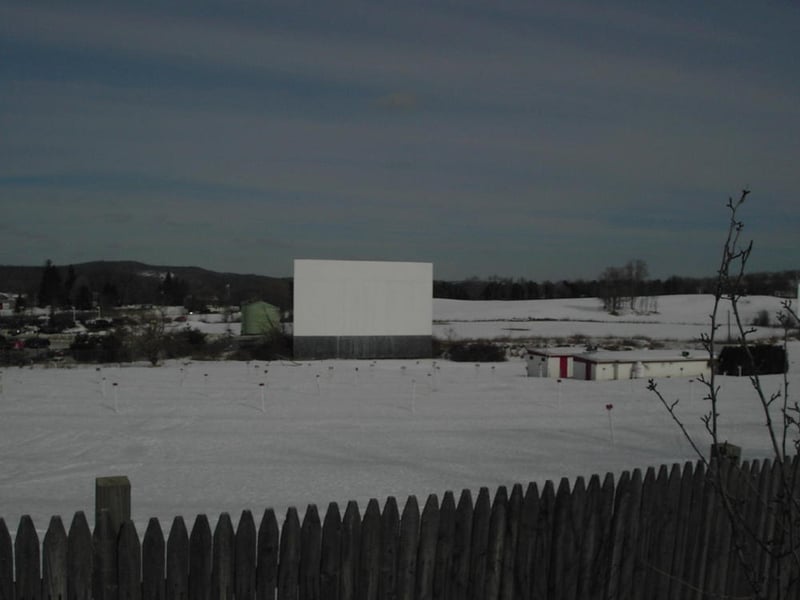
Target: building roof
x=643 y=356
x=557 y=351
x=258 y=303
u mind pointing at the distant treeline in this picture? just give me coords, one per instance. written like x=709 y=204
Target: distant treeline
x=112 y=284
x=783 y=283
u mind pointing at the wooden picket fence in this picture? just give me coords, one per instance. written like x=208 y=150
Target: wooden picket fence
x=661 y=535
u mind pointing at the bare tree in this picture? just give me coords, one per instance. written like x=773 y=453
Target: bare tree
x=611 y=288
x=150 y=336
x=635 y=275
x=622 y=285
x=779 y=543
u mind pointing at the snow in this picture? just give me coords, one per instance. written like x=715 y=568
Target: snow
x=214 y=324
x=679 y=317
x=199 y=437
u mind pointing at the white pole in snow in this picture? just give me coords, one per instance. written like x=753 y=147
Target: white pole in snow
x=116 y=397
x=413 y=395
x=263 y=394
x=610 y=422
x=317 y=379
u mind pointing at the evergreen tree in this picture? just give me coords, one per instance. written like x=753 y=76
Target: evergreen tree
x=50 y=288
x=20 y=304
x=83 y=298
x=173 y=290
x=109 y=295
x=68 y=294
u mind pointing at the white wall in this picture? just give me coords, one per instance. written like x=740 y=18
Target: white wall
x=537 y=366
x=611 y=371
x=579 y=369
x=353 y=298
x=623 y=370
x=691 y=368
x=548 y=366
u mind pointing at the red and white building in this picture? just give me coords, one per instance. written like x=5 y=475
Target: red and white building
x=608 y=365
x=551 y=362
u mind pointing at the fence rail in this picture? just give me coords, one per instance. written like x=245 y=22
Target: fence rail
x=661 y=535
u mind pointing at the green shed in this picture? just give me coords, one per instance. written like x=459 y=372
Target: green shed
x=259 y=318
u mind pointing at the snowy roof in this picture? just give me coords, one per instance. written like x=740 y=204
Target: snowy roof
x=579 y=353
x=630 y=356
x=557 y=351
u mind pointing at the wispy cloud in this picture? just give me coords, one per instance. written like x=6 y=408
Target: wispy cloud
x=396 y=129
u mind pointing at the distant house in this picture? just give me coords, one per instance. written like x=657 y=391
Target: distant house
x=550 y=362
x=640 y=364
x=7 y=302
x=260 y=318
x=607 y=365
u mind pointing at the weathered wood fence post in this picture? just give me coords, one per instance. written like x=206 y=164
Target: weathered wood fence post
x=114 y=495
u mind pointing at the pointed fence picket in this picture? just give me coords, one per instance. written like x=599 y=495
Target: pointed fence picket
x=330 y=553
x=426 y=548
x=153 y=557
x=267 y=552
x=479 y=544
x=462 y=543
x=350 y=540
x=177 y=584
x=245 y=553
x=407 y=552
x=390 y=541
x=444 y=547
x=662 y=535
x=310 y=543
x=369 y=552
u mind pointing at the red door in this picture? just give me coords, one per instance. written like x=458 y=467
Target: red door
x=563 y=366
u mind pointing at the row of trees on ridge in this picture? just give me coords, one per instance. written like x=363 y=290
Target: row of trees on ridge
x=507 y=288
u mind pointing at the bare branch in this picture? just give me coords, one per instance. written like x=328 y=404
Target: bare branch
x=782 y=505
x=653 y=387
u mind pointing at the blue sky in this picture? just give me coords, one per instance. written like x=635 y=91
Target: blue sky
x=545 y=140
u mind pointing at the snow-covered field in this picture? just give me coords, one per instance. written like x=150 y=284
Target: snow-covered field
x=208 y=437
x=679 y=318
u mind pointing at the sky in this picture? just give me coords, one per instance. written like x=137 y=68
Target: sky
x=544 y=140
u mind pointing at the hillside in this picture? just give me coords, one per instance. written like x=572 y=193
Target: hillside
x=138 y=282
